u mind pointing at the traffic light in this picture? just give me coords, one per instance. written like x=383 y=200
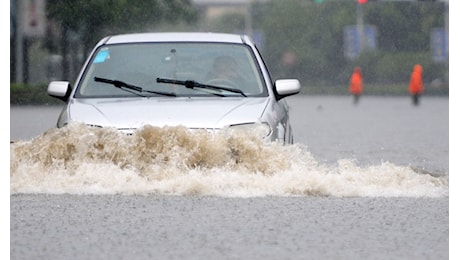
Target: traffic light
x=361 y=2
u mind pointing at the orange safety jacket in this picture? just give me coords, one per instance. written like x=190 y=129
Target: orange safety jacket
x=356 y=82
x=416 y=81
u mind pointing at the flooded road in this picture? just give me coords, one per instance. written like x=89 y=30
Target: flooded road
x=346 y=190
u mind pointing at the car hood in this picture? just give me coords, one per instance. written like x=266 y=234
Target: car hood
x=210 y=113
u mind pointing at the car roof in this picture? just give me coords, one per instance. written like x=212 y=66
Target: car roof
x=176 y=37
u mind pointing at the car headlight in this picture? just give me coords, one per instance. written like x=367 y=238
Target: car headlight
x=260 y=129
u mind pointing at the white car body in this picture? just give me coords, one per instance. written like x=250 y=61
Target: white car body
x=194 y=106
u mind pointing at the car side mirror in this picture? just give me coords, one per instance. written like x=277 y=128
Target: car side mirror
x=59 y=89
x=286 y=87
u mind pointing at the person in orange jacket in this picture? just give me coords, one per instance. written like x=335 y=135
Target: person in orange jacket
x=356 y=84
x=416 y=83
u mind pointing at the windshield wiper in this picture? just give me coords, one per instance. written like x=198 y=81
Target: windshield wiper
x=193 y=84
x=125 y=86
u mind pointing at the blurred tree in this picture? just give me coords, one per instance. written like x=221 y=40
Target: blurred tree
x=312 y=34
x=230 y=22
x=404 y=26
x=91 y=20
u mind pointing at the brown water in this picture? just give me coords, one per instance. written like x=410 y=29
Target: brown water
x=365 y=181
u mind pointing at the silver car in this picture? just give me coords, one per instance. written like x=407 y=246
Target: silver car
x=207 y=81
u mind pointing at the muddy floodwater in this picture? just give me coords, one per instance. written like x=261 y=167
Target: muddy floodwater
x=362 y=181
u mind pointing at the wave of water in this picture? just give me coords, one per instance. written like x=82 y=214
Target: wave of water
x=174 y=161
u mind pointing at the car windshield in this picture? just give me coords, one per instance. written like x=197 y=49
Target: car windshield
x=127 y=70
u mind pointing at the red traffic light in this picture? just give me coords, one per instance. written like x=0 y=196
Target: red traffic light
x=361 y=2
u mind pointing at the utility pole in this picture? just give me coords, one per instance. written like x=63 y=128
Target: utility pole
x=446 y=28
x=360 y=24
x=19 y=48
x=30 y=25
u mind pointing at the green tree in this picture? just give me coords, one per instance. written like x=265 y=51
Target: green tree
x=230 y=22
x=314 y=34
x=405 y=26
x=93 y=19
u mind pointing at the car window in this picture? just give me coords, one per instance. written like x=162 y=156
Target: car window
x=217 y=64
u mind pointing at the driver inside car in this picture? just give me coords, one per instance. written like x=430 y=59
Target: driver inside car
x=225 y=73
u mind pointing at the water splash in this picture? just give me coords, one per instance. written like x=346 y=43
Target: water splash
x=175 y=161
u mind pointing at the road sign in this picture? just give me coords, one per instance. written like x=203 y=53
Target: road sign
x=353 y=46
x=439 y=47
